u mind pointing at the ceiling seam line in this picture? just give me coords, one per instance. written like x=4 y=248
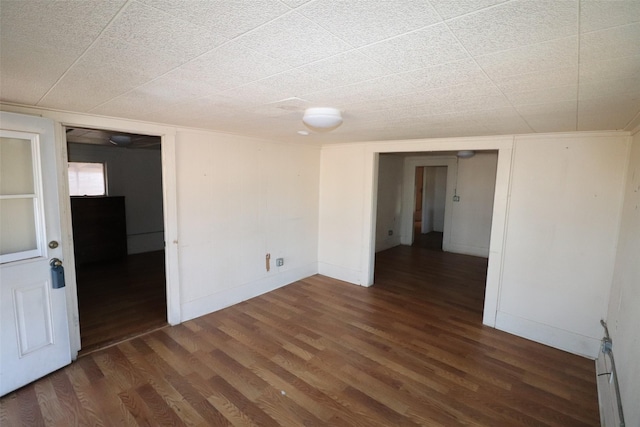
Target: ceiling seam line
x=442 y=21
x=396 y=74
x=473 y=12
x=489 y=78
x=225 y=43
x=302 y=95
x=358 y=49
x=291 y=10
x=299 y=67
x=472 y=58
x=526 y=45
x=53 y=86
x=345 y=85
x=353 y=48
x=385 y=39
x=629 y=24
x=630 y=122
x=228 y=41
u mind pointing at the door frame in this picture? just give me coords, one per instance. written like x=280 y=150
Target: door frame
x=170 y=206
x=408 y=186
x=503 y=145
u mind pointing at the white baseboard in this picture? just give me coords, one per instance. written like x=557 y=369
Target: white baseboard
x=467 y=250
x=388 y=243
x=229 y=297
x=548 y=335
x=340 y=273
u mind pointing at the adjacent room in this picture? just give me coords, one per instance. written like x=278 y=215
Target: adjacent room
x=320 y=212
x=115 y=184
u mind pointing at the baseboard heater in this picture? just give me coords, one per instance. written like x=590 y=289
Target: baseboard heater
x=608 y=389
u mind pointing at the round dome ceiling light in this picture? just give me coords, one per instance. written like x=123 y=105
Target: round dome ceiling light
x=120 y=140
x=465 y=154
x=322 y=118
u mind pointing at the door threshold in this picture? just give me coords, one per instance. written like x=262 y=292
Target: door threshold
x=107 y=344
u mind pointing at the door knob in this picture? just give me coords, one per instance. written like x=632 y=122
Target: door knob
x=55 y=262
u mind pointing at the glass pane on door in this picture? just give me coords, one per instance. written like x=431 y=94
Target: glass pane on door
x=16 y=166
x=17 y=226
x=20 y=221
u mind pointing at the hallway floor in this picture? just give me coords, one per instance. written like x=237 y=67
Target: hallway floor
x=121 y=298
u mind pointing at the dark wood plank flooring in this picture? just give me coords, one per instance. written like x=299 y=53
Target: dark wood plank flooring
x=121 y=298
x=431 y=240
x=410 y=350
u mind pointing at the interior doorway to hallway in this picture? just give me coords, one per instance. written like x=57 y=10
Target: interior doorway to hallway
x=429 y=206
x=408 y=214
x=115 y=182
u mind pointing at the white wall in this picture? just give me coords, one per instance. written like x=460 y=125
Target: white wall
x=341 y=229
x=550 y=264
x=136 y=175
x=623 y=318
x=471 y=216
x=566 y=194
x=389 y=202
x=239 y=199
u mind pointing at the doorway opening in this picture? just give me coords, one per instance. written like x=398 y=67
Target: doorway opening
x=115 y=182
x=429 y=206
x=442 y=209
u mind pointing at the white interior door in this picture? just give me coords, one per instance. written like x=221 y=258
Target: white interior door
x=34 y=331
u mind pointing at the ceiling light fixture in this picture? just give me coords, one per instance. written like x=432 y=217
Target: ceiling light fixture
x=322 y=118
x=120 y=140
x=465 y=154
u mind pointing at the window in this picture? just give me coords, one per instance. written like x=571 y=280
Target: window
x=87 y=179
x=21 y=214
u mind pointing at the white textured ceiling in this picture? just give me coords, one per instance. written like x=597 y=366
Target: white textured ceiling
x=397 y=68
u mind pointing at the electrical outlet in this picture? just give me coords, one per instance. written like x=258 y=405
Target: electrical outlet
x=456 y=198
x=279 y=262
x=390 y=232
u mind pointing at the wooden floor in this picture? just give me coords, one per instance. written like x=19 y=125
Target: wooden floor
x=409 y=351
x=431 y=240
x=121 y=298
